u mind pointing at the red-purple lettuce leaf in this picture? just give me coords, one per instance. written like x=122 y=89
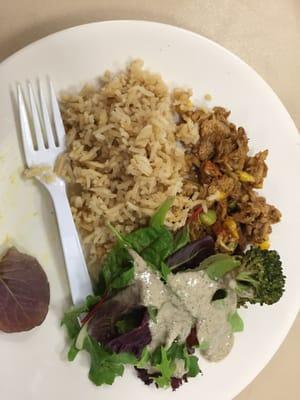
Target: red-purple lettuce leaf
x=192 y=254
x=102 y=326
x=133 y=341
x=24 y=292
x=145 y=376
x=177 y=382
x=192 y=341
x=148 y=378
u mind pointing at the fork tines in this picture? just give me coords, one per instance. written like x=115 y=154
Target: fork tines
x=41 y=130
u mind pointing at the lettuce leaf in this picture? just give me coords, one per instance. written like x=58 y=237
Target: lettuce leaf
x=117 y=270
x=236 y=322
x=181 y=238
x=153 y=244
x=102 y=326
x=105 y=366
x=192 y=254
x=163 y=362
x=109 y=349
x=158 y=218
x=71 y=317
x=166 y=368
x=135 y=340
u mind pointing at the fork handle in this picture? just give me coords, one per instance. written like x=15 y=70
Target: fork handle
x=79 y=279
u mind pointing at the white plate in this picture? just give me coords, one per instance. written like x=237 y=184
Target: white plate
x=33 y=364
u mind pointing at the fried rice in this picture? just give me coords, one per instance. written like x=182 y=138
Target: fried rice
x=123 y=158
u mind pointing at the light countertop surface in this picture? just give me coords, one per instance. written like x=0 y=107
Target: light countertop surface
x=265 y=34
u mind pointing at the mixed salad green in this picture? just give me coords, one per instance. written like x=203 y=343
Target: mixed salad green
x=114 y=327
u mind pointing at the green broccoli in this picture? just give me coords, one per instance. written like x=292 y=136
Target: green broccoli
x=259 y=278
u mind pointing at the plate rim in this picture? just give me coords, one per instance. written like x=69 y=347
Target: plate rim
x=227 y=52
x=139 y=21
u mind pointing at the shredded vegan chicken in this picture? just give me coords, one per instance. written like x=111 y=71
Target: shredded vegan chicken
x=226 y=178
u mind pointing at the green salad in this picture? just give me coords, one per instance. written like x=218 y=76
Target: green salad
x=162 y=301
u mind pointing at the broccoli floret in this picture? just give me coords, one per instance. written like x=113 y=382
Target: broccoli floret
x=259 y=279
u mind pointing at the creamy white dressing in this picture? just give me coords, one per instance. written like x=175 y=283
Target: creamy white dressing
x=195 y=290
x=216 y=330
x=183 y=302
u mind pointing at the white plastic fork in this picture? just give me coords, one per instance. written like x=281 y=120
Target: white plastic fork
x=44 y=153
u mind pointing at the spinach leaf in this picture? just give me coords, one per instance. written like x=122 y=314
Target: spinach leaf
x=153 y=245
x=117 y=270
x=144 y=240
x=123 y=279
x=159 y=216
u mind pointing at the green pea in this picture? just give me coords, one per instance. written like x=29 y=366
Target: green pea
x=208 y=218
